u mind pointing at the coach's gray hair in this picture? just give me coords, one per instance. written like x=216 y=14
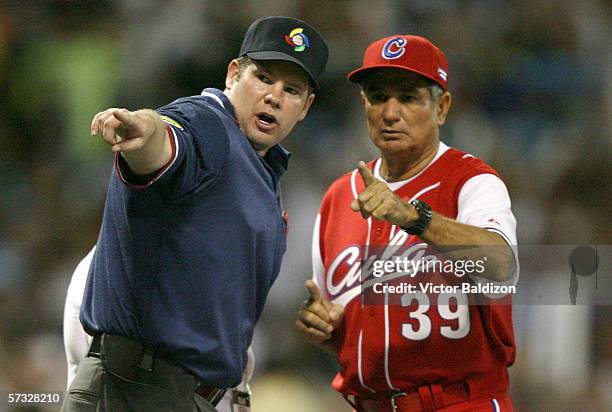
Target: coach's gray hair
x=436 y=91
x=434 y=88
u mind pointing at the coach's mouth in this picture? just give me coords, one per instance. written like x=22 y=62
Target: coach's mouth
x=391 y=134
x=266 y=121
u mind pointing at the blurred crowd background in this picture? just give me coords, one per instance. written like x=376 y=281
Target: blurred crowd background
x=532 y=87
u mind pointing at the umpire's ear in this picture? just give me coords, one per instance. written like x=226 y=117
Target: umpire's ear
x=233 y=74
x=307 y=103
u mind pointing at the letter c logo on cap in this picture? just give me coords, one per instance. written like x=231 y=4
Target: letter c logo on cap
x=394 y=48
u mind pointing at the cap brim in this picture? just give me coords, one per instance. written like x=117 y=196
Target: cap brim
x=357 y=75
x=275 y=55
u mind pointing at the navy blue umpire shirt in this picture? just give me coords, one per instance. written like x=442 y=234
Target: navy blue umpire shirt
x=185 y=258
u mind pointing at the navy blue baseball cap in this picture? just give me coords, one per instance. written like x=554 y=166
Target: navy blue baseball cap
x=287 y=39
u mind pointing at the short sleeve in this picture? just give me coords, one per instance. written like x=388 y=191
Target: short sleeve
x=135 y=181
x=484 y=202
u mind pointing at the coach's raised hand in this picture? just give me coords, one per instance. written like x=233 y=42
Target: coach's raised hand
x=140 y=136
x=319 y=317
x=378 y=201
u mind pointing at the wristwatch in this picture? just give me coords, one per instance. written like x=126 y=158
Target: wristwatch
x=425 y=216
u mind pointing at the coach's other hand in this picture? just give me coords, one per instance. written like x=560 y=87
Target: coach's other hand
x=378 y=201
x=319 y=317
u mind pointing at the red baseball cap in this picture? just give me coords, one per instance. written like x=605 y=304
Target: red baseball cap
x=407 y=52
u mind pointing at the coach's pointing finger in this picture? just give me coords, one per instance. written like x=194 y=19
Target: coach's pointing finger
x=366 y=174
x=370 y=189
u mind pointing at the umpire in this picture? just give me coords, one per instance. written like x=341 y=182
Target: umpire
x=193 y=231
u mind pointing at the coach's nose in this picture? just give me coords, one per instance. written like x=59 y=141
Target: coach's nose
x=391 y=111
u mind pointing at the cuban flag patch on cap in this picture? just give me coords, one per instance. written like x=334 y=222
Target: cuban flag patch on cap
x=442 y=73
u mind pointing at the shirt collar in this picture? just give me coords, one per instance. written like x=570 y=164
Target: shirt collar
x=442 y=148
x=277 y=156
x=221 y=99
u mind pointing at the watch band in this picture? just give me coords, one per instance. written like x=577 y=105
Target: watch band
x=422 y=222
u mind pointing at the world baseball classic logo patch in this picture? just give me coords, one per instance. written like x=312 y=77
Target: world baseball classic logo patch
x=298 y=39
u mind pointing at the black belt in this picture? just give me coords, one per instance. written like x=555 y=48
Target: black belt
x=210 y=393
x=133 y=360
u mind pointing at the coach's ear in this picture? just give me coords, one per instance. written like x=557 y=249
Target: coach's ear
x=233 y=73
x=443 y=105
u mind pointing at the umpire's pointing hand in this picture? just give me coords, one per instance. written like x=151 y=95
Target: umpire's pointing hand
x=122 y=129
x=319 y=317
x=378 y=201
x=140 y=136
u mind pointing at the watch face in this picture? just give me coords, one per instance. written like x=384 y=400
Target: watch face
x=425 y=216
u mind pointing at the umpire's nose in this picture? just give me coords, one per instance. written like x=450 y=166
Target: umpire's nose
x=274 y=95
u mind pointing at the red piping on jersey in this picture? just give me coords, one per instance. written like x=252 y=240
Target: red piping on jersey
x=159 y=173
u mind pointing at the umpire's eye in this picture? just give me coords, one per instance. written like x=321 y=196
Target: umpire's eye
x=264 y=79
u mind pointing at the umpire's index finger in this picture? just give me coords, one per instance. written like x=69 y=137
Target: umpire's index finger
x=123 y=115
x=366 y=175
